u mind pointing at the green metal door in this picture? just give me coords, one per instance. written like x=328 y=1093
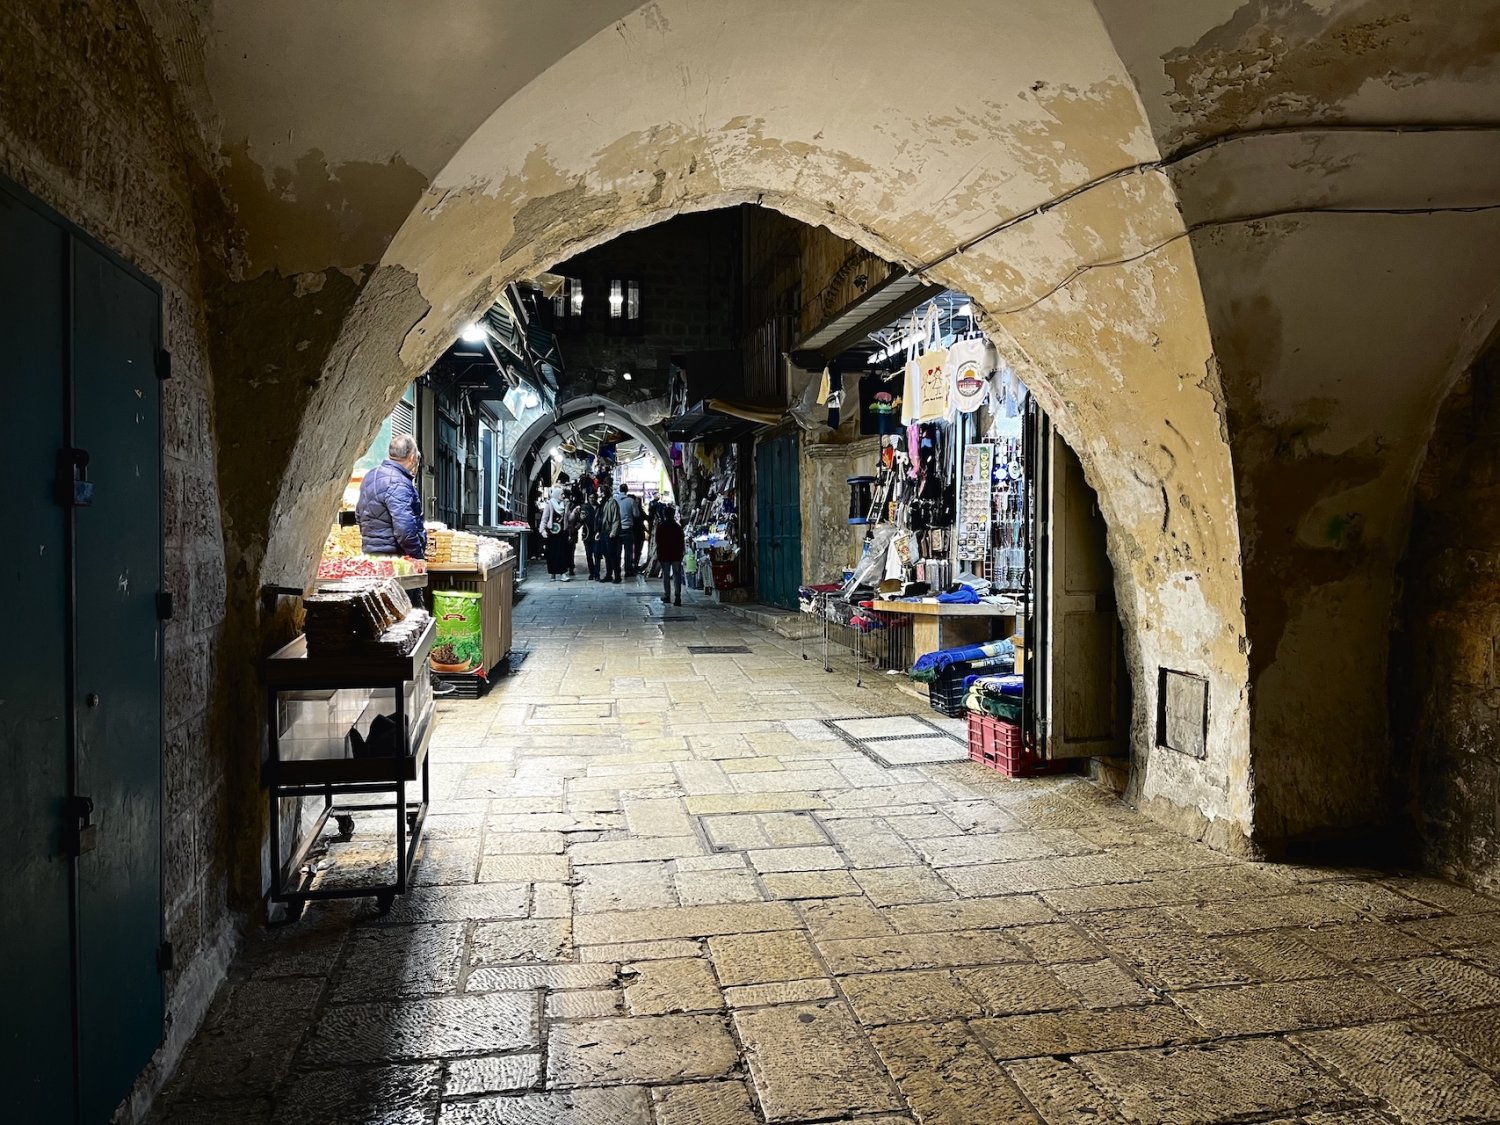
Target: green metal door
x=117 y=676
x=36 y=971
x=81 y=706
x=778 y=521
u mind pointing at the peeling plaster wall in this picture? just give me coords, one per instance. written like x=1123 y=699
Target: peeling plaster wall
x=1337 y=325
x=1121 y=351
x=89 y=125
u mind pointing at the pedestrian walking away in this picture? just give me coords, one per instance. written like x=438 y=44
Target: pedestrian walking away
x=670 y=548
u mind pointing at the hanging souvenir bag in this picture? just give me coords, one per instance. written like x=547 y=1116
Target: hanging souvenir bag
x=932 y=373
x=913 y=386
x=972 y=362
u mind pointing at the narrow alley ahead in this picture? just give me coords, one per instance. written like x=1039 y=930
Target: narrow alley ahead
x=662 y=882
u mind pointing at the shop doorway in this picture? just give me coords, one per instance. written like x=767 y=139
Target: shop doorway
x=778 y=523
x=1075 y=664
x=81 y=718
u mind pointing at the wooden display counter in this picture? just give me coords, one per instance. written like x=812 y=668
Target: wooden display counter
x=938 y=625
x=497 y=584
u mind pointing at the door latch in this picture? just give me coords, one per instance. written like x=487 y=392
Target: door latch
x=74 y=489
x=80 y=833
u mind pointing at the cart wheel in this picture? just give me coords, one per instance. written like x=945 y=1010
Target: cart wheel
x=384 y=901
x=346 y=825
x=294 y=910
x=411 y=819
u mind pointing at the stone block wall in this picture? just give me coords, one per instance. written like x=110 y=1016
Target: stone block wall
x=1445 y=657
x=89 y=126
x=689 y=273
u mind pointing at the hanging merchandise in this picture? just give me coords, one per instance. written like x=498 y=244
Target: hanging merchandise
x=932 y=372
x=859 y=499
x=911 y=370
x=880 y=404
x=825 y=388
x=972 y=362
x=974 y=504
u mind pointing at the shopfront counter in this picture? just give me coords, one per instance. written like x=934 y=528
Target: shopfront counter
x=938 y=625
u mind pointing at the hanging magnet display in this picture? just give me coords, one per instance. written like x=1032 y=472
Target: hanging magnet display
x=859 y=498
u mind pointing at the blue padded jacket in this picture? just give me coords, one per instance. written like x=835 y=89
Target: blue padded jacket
x=390 y=513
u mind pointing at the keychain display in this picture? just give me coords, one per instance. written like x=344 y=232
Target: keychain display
x=975 y=503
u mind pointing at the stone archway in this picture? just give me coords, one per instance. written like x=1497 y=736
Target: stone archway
x=605 y=410
x=1095 y=299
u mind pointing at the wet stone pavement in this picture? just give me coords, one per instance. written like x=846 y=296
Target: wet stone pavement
x=657 y=887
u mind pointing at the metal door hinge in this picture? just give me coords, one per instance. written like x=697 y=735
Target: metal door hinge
x=163 y=364
x=80 y=833
x=164 y=605
x=166 y=957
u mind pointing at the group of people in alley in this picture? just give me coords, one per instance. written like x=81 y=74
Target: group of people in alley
x=614 y=527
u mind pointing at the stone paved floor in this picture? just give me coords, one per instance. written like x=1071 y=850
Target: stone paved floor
x=657 y=888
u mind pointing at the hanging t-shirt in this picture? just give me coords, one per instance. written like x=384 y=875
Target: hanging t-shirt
x=880 y=403
x=971 y=363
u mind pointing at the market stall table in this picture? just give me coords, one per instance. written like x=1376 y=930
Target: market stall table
x=313 y=704
x=496 y=585
x=938 y=625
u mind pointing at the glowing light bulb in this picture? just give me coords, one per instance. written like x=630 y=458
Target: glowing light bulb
x=474 y=333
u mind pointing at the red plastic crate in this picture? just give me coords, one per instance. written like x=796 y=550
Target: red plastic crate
x=998 y=745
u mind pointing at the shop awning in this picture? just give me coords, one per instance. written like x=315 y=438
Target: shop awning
x=705 y=423
x=850 y=329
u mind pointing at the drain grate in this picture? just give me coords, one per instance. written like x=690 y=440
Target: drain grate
x=718 y=650
x=893 y=741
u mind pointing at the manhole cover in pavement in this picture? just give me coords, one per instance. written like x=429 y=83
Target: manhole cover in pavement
x=717 y=650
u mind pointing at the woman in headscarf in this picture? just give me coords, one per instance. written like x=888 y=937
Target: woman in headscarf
x=557 y=538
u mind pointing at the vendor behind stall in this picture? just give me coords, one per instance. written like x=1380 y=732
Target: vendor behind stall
x=389 y=510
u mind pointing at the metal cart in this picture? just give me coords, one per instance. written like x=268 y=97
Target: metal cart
x=312 y=706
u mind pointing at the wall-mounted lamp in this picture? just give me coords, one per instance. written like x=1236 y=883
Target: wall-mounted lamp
x=474 y=333
x=626 y=376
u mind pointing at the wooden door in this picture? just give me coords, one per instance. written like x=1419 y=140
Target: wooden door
x=1078 y=652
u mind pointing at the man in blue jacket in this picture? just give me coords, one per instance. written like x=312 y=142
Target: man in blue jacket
x=389 y=510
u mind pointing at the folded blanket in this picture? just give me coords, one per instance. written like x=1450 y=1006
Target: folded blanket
x=998 y=686
x=1004 y=707
x=928 y=665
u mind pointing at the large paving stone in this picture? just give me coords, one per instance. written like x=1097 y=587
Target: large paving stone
x=684 y=921
x=519 y=978
x=632 y=1049
x=390 y=1095
x=843 y=918
x=492 y=1074
x=704 y=1103
x=896 y=886
x=460 y=903
x=250 y=1037
x=634 y=851
x=388 y=961
x=961 y=851
x=759 y=958
x=1056 y=942
x=918 y=951
x=1438 y=983
x=780 y=992
x=947 y=1076
x=970 y=914
x=1060 y=1093
x=424 y=1029
x=1005 y=990
x=1421 y=1079
x=1031 y=875
x=702 y=888
x=618 y=1106
x=1255 y=1009
x=1076 y=1032
x=811 y=1061
x=532 y=939
x=1214 y=1082
x=1475 y=1034
x=930 y=994
x=811 y=884
x=718 y=803
x=816 y=858
x=655 y=988
x=623 y=886
x=1239 y=916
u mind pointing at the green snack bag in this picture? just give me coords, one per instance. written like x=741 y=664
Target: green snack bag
x=459 y=646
